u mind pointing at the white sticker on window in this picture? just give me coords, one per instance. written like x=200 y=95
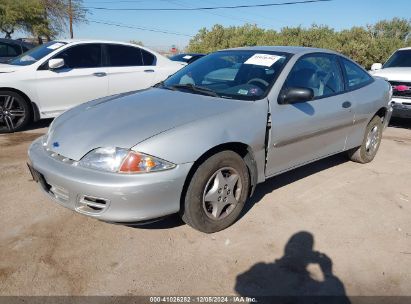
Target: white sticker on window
x=263 y=59
x=242 y=92
x=187 y=57
x=55 y=46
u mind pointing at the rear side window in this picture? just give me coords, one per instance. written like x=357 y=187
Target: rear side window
x=148 y=58
x=8 y=50
x=121 y=55
x=355 y=75
x=14 y=50
x=82 y=56
x=3 y=50
x=319 y=72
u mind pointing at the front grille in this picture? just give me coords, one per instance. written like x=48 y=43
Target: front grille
x=400 y=89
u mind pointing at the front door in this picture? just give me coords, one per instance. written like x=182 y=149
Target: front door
x=81 y=79
x=306 y=131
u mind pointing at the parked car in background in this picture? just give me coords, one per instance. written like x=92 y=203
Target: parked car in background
x=187 y=58
x=397 y=70
x=199 y=145
x=55 y=76
x=12 y=48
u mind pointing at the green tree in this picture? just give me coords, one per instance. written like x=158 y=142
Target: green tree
x=16 y=14
x=41 y=18
x=56 y=16
x=366 y=45
x=395 y=28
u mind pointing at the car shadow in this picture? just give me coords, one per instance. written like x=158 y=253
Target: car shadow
x=292 y=176
x=171 y=221
x=404 y=123
x=263 y=189
x=40 y=124
x=289 y=279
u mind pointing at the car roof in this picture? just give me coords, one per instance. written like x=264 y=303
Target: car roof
x=284 y=49
x=405 y=49
x=18 y=42
x=94 y=41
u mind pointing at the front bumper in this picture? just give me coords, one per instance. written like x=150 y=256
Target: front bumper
x=401 y=107
x=388 y=116
x=109 y=196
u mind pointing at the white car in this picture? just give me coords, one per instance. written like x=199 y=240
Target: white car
x=55 y=76
x=397 y=70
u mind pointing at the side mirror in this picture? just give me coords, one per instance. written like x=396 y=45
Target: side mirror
x=376 y=67
x=56 y=63
x=295 y=95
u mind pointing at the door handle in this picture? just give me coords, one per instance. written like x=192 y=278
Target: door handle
x=100 y=74
x=149 y=71
x=346 y=104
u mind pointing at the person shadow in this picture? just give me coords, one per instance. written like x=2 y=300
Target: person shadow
x=288 y=279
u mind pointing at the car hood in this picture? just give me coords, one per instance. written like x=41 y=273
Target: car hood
x=394 y=74
x=8 y=68
x=128 y=119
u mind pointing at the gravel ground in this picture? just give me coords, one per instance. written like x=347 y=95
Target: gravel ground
x=358 y=217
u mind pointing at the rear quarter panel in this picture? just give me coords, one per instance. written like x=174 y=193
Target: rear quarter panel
x=367 y=102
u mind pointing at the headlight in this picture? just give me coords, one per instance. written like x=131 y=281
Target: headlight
x=123 y=161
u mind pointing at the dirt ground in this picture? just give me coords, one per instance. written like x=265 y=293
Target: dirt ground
x=358 y=217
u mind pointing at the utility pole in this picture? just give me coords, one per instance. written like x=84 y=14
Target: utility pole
x=71 y=19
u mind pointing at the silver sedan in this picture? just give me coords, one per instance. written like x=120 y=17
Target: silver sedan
x=199 y=142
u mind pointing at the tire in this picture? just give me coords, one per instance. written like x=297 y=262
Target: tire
x=371 y=143
x=216 y=193
x=15 y=112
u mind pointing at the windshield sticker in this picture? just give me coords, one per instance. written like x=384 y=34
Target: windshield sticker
x=55 y=46
x=263 y=59
x=187 y=57
x=242 y=92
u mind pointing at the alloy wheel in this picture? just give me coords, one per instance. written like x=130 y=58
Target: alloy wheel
x=222 y=193
x=373 y=137
x=12 y=112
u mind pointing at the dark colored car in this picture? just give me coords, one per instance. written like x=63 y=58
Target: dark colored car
x=12 y=48
x=187 y=57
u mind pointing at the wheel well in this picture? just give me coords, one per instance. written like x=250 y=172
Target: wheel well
x=241 y=149
x=381 y=113
x=35 y=114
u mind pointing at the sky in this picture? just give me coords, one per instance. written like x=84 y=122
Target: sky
x=338 y=14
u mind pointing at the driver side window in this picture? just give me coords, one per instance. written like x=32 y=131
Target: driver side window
x=82 y=56
x=319 y=72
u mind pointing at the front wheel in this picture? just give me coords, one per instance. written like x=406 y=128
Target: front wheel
x=371 y=143
x=217 y=193
x=15 y=112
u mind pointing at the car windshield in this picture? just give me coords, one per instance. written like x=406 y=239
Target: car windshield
x=400 y=59
x=37 y=53
x=238 y=74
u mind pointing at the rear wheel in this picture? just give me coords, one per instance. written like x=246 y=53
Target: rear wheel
x=15 y=112
x=217 y=193
x=372 y=139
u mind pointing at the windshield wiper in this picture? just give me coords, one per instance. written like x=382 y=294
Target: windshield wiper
x=196 y=89
x=159 y=84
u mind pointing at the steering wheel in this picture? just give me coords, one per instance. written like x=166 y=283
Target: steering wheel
x=258 y=80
